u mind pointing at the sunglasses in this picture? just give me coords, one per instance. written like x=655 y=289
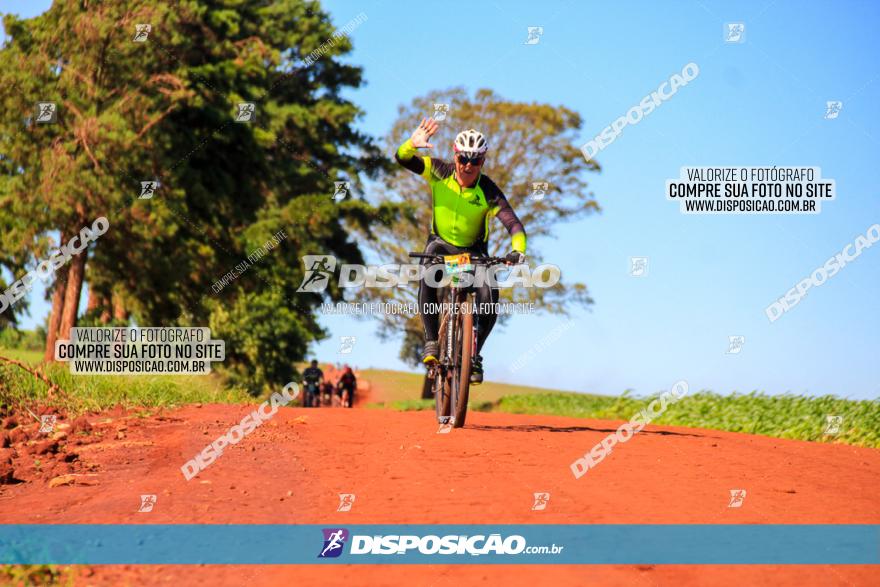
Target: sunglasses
x=476 y=160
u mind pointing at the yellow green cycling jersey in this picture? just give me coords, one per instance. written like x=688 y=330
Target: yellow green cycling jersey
x=462 y=214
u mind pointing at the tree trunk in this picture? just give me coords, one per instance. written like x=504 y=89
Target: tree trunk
x=93 y=303
x=55 y=315
x=99 y=304
x=57 y=309
x=71 y=296
x=119 y=311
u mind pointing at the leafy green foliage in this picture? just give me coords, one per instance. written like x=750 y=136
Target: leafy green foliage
x=31 y=340
x=165 y=109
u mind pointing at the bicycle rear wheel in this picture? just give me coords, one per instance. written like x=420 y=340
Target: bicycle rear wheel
x=464 y=349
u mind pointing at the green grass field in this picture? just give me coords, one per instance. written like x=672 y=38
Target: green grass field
x=786 y=416
x=97 y=392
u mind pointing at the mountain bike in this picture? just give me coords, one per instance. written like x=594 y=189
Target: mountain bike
x=346 y=397
x=457 y=339
x=327 y=395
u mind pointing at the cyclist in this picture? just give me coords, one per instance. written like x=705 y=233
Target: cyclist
x=327 y=392
x=312 y=377
x=463 y=200
x=347 y=383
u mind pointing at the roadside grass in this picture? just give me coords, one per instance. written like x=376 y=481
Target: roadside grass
x=783 y=416
x=85 y=393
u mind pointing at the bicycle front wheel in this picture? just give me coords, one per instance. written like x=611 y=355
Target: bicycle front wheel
x=442 y=387
x=464 y=350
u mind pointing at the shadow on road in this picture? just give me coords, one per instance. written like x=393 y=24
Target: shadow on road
x=545 y=428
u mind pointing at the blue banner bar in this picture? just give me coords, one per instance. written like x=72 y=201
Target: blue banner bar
x=439 y=544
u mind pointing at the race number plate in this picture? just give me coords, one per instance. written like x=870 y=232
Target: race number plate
x=456 y=264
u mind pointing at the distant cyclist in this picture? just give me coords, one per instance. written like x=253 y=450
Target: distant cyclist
x=463 y=200
x=313 y=377
x=346 y=386
x=327 y=392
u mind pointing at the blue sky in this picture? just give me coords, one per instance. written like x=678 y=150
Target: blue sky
x=759 y=103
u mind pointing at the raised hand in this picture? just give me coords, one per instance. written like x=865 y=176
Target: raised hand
x=426 y=130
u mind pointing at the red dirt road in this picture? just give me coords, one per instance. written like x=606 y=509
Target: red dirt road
x=292 y=468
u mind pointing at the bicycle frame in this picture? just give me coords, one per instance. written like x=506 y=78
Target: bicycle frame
x=457 y=336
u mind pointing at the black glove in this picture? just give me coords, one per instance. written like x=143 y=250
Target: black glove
x=515 y=258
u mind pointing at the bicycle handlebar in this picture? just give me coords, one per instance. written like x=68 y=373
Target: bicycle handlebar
x=478 y=259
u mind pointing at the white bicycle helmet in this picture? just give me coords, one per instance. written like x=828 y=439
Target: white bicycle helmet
x=470 y=141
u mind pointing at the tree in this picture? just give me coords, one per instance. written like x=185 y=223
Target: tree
x=12 y=261
x=166 y=109
x=63 y=174
x=528 y=143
